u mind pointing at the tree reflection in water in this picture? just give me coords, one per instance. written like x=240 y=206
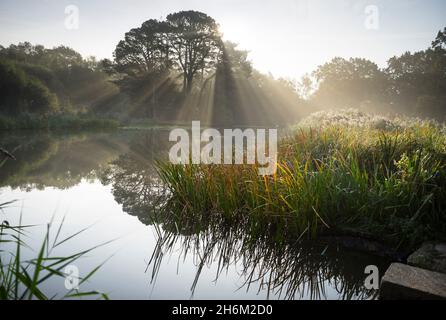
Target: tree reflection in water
x=286 y=270
x=303 y=269
x=134 y=179
x=125 y=160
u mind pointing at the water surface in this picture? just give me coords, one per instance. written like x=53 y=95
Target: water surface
x=108 y=181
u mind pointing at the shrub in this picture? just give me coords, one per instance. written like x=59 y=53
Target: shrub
x=23 y=93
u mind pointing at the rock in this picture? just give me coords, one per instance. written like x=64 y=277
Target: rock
x=430 y=256
x=410 y=283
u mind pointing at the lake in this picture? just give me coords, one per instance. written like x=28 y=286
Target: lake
x=107 y=181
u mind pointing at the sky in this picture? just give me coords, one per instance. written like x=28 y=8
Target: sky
x=287 y=38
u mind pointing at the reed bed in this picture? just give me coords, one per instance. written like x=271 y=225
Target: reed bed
x=387 y=182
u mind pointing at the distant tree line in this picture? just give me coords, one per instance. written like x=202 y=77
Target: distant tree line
x=413 y=83
x=180 y=69
x=166 y=71
x=37 y=80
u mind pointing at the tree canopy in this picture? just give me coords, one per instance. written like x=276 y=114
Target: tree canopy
x=188 y=41
x=39 y=80
x=179 y=68
x=413 y=83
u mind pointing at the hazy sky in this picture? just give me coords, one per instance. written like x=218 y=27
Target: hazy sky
x=285 y=37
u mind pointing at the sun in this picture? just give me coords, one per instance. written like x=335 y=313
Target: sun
x=230 y=32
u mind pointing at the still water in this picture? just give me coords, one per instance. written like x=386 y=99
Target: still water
x=108 y=183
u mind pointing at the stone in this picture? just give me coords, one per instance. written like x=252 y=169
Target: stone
x=431 y=256
x=404 y=282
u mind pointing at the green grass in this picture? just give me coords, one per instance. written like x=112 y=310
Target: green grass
x=22 y=279
x=387 y=183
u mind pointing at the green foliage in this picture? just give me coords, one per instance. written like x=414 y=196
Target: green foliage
x=388 y=183
x=440 y=41
x=180 y=69
x=41 y=100
x=347 y=83
x=21 y=93
x=413 y=83
x=44 y=82
x=22 y=279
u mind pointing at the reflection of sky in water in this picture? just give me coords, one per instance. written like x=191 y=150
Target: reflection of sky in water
x=124 y=276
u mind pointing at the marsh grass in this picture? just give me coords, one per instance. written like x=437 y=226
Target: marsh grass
x=22 y=279
x=386 y=182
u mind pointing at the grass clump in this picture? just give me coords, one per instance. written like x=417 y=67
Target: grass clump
x=23 y=279
x=387 y=182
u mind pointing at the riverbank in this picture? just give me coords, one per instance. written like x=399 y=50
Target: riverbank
x=378 y=176
x=55 y=122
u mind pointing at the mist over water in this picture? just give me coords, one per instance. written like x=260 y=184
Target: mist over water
x=107 y=181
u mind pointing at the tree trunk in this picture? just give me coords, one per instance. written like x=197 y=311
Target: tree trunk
x=184 y=83
x=190 y=79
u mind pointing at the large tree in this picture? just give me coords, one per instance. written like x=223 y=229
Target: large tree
x=145 y=49
x=188 y=41
x=196 y=43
